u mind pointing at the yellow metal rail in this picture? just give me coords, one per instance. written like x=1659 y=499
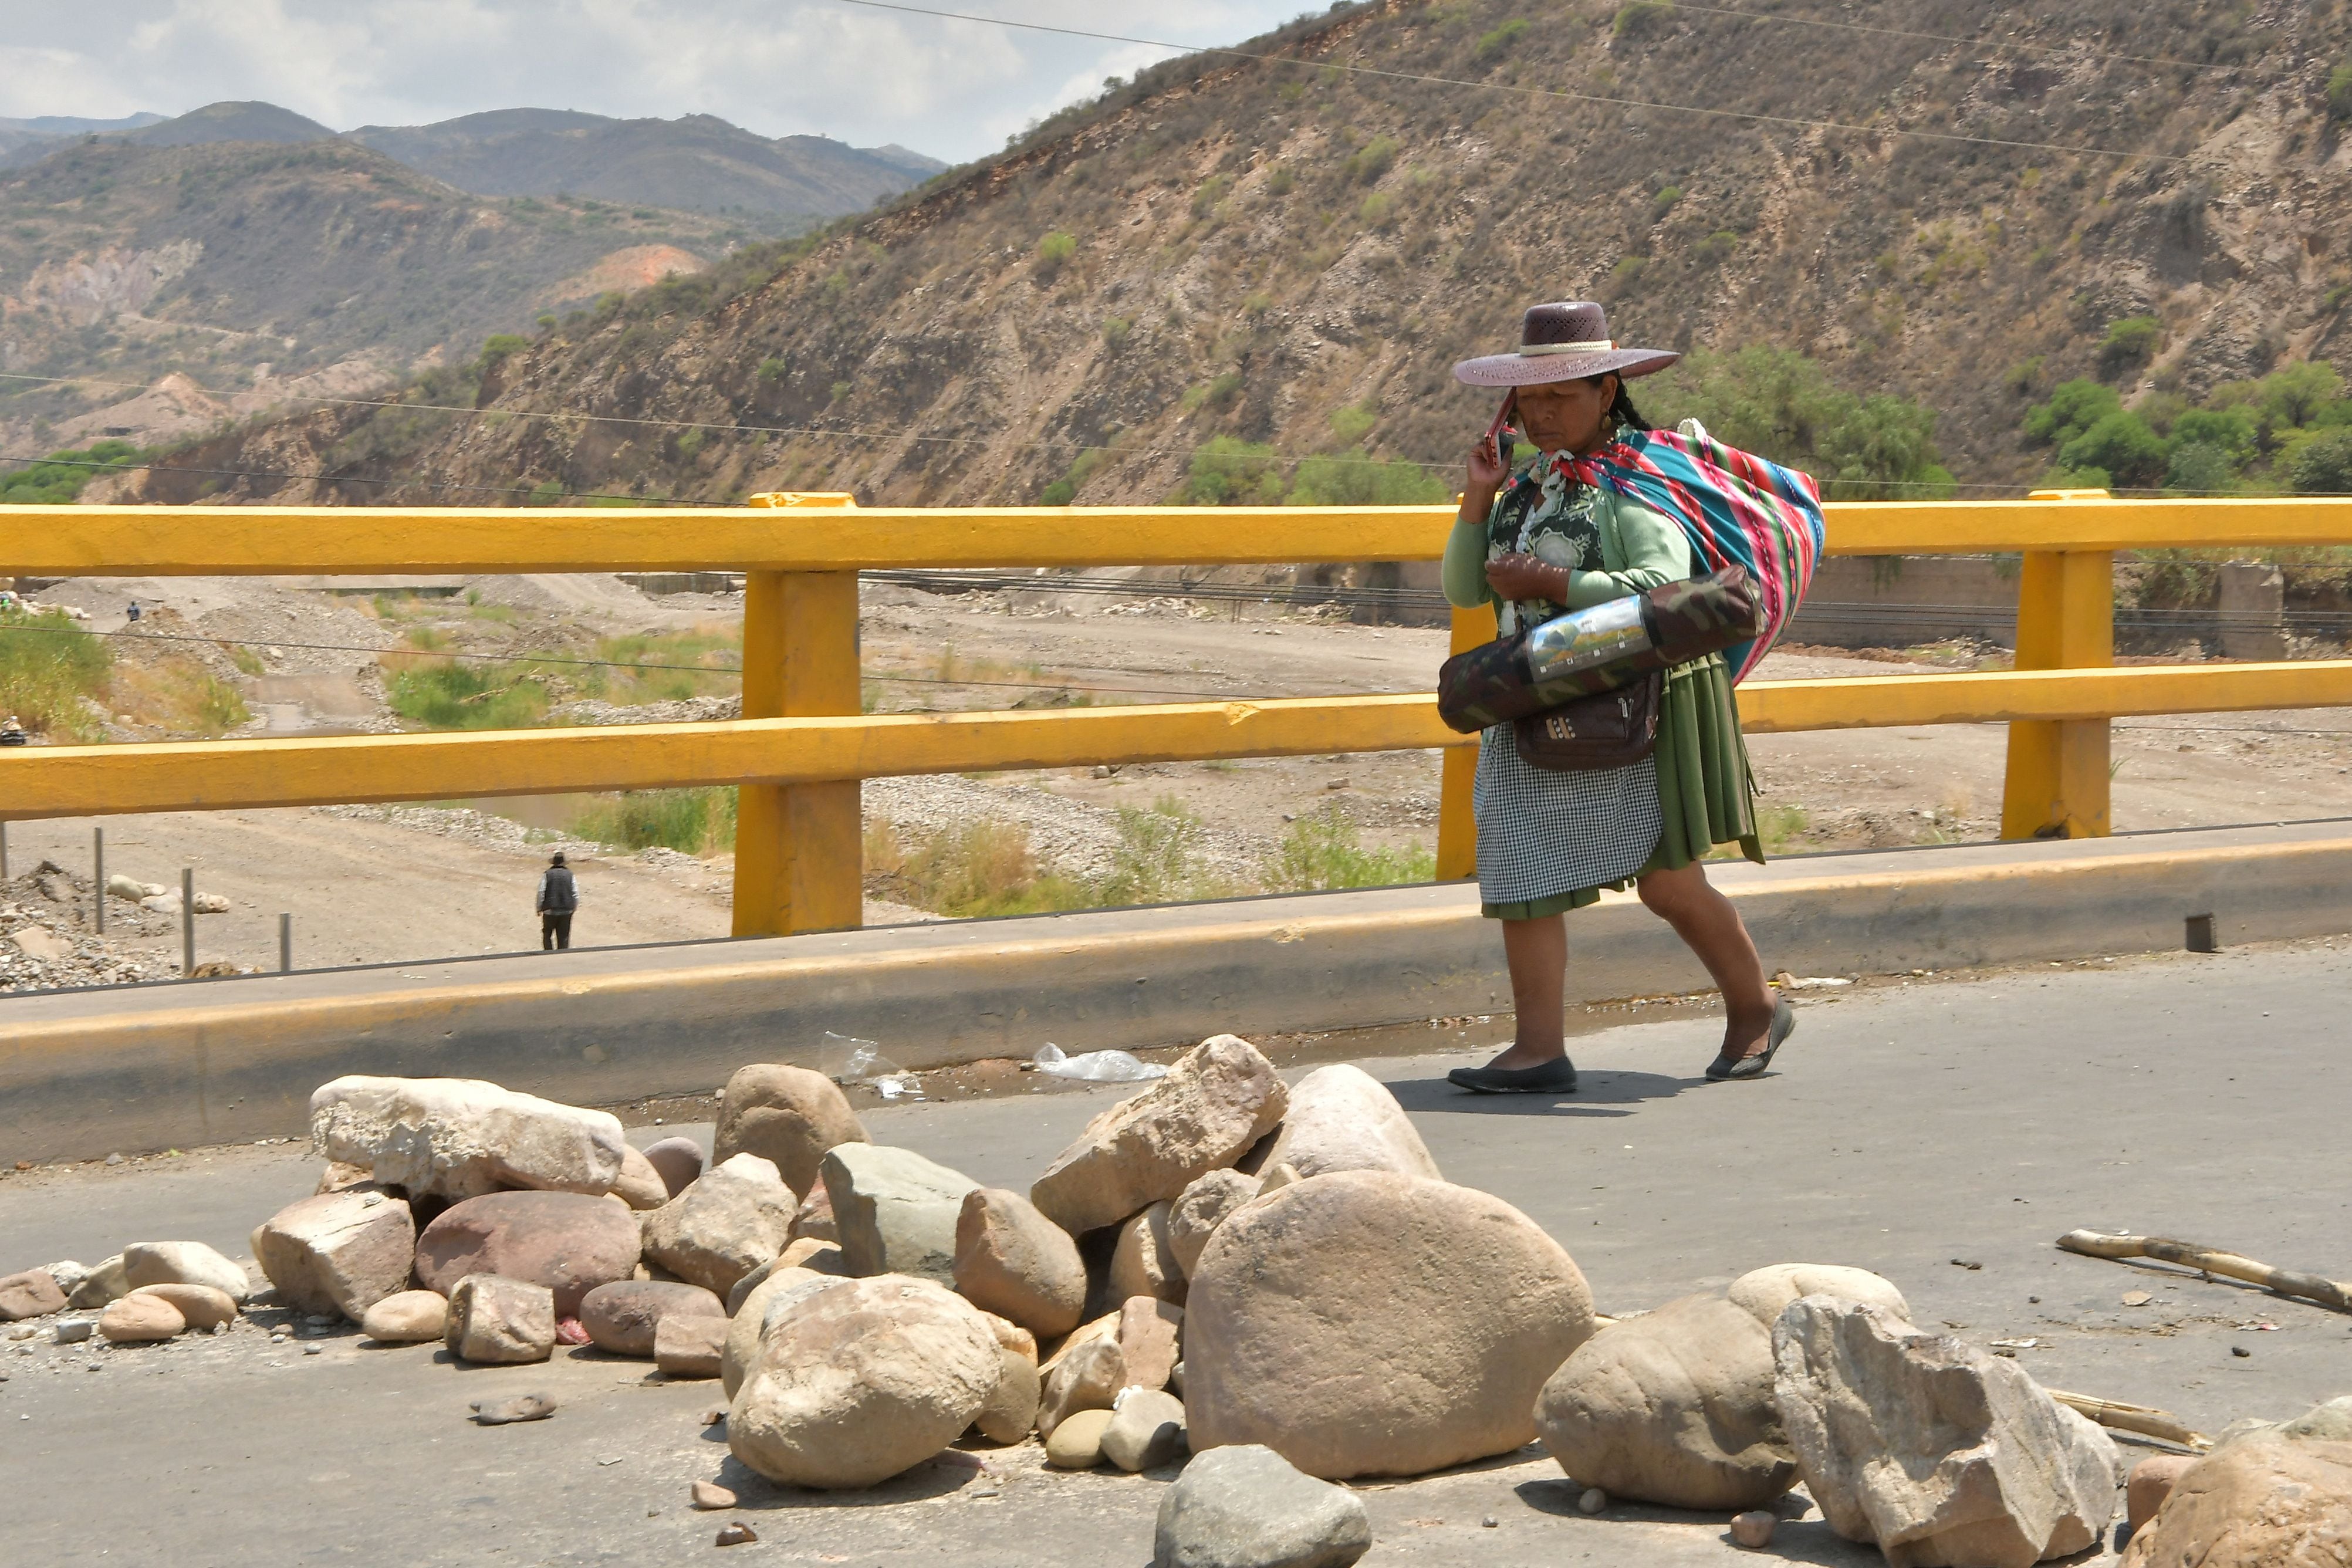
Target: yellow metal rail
x=801 y=747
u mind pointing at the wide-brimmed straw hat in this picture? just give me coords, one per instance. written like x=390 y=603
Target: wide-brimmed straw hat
x=1566 y=340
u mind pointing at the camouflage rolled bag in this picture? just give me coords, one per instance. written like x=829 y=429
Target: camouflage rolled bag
x=1598 y=650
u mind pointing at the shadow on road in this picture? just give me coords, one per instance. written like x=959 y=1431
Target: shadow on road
x=1597 y=1093
x=1793 y=1540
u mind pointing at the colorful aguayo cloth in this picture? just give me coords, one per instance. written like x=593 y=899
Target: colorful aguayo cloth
x=1739 y=510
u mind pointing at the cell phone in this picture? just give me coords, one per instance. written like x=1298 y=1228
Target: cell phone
x=1500 y=432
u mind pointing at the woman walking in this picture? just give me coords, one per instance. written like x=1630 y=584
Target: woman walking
x=1538 y=544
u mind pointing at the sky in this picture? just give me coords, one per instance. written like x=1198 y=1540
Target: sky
x=953 y=89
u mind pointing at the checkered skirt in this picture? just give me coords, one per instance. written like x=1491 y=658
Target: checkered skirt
x=1542 y=834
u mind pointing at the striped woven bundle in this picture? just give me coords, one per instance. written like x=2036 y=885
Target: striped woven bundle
x=1739 y=508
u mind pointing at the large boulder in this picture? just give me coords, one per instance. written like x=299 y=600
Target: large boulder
x=1203 y=1206
x=460 y=1138
x=1219 y=1097
x=1143 y=1263
x=727 y=1224
x=338 y=1252
x=621 y=1317
x=1012 y=1410
x=678 y=1161
x=1341 y=1118
x=138 y=1319
x=183 y=1263
x=1011 y=1260
x=788 y=1115
x=896 y=1212
x=863 y=1380
x=569 y=1242
x=639 y=1185
x=1371 y=1323
x=501 y=1321
x=200 y=1306
x=773 y=1299
x=1247 y=1507
x=1942 y=1456
x=1765 y=1293
x=2262 y=1501
x=1672 y=1407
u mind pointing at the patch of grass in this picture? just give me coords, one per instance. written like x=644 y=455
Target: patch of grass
x=247 y=662
x=178 y=695
x=502 y=614
x=969 y=871
x=1779 y=828
x=1496 y=44
x=1322 y=850
x=646 y=667
x=447 y=695
x=1157 y=857
x=48 y=664
x=691 y=821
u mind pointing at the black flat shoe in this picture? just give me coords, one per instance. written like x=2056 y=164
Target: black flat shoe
x=1784 y=1023
x=1545 y=1078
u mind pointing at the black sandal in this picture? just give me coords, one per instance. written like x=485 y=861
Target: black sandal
x=1784 y=1023
x=1543 y=1077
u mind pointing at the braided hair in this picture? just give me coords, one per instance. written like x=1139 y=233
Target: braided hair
x=1622 y=412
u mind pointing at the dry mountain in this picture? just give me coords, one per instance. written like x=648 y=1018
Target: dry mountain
x=1226 y=254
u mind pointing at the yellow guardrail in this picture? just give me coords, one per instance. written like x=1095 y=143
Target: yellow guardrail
x=801 y=747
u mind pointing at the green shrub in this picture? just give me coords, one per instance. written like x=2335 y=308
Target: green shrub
x=1355 y=422
x=2199 y=468
x=1116 y=333
x=1639 y=17
x=2122 y=444
x=1663 y=202
x=1496 y=44
x=2323 y=465
x=1157 y=857
x=57 y=479
x=1715 y=248
x=691 y=821
x=1781 y=405
x=1372 y=159
x=1230 y=471
x=2297 y=395
x=1213 y=393
x=2228 y=429
x=1360 y=481
x=2339 y=93
x=48 y=664
x=772 y=371
x=1278 y=184
x=1055 y=250
x=1321 y=850
x=1378 y=209
x=546 y=494
x=2074 y=407
x=2129 y=344
x=446 y=695
x=496 y=350
x=1061 y=492
x=1209 y=193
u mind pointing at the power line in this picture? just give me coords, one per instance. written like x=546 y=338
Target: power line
x=332 y=479
x=1543 y=92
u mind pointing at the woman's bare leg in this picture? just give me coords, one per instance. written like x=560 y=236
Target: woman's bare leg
x=1711 y=928
x=1537 y=952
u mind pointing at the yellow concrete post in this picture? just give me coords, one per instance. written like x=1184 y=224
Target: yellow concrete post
x=1457 y=830
x=799 y=848
x=2057 y=781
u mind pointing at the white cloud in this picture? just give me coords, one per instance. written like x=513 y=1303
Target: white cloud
x=951 y=89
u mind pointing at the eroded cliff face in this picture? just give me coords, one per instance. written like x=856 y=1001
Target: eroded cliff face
x=1278 y=251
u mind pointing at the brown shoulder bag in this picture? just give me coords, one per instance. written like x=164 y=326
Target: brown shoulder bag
x=1591 y=734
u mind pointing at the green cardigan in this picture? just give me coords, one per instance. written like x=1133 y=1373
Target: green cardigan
x=1641 y=548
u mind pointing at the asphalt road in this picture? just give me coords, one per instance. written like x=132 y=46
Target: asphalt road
x=1909 y=1127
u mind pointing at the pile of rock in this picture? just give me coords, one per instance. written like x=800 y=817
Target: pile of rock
x=1277 y=1277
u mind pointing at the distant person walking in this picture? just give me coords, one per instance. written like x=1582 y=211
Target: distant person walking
x=558 y=898
x=133 y=614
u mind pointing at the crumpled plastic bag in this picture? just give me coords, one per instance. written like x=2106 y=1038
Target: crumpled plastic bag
x=849 y=1060
x=1096 y=1066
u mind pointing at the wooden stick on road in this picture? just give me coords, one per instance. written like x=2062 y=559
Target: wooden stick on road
x=2143 y=1420
x=2189 y=1255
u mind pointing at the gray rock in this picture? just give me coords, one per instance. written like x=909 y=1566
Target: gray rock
x=338 y=1252
x=1011 y=1260
x=1201 y=1208
x=31 y=1294
x=1341 y=1118
x=677 y=1161
x=460 y=1138
x=896 y=1211
x=621 y=1317
x=1216 y=1101
x=1146 y=1430
x=1246 y=1507
x=1088 y=1378
x=727 y=1224
x=569 y=1242
x=500 y=1320
x=1935 y=1451
x=639 y=1185
x=769 y=1301
x=185 y=1263
x=787 y=1115
x=407 y=1318
x=1012 y=1411
x=1673 y=1408
x=1765 y=1293
x=100 y=1286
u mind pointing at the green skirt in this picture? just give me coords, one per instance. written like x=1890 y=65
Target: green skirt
x=1706 y=792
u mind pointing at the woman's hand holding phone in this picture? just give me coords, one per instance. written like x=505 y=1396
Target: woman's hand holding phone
x=1490 y=463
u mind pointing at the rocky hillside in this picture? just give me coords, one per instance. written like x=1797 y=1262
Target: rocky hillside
x=1292 y=254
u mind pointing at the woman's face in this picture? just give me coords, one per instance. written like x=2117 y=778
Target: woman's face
x=1567 y=416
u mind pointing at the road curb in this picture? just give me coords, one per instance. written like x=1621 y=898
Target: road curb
x=88 y=1074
